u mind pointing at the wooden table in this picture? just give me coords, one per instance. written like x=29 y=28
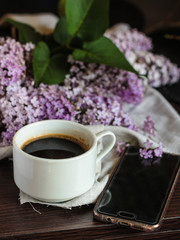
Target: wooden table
x=23 y=222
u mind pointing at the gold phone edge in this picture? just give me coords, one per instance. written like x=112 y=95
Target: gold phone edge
x=129 y=223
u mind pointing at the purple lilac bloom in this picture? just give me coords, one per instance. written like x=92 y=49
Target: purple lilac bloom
x=144 y=153
x=136 y=46
x=12 y=64
x=159 y=150
x=147 y=144
x=29 y=104
x=149 y=126
x=129 y=39
x=91 y=94
x=125 y=86
x=159 y=69
x=121 y=146
x=147 y=152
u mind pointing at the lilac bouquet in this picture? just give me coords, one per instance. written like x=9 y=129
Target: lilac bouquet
x=90 y=94
x=137 y=48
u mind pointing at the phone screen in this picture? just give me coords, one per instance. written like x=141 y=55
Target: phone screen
x=139 y=188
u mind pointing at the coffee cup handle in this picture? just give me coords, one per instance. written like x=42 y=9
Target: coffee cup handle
x=109 y=145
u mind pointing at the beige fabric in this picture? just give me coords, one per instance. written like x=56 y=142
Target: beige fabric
x=42 y=22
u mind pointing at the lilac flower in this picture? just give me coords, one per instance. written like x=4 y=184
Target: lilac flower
x=91 y=93
x=147 y=144
x=147 y=152
x=149 y=126
x=158 y=68
x=120 y=147
x=144 y=153
x=136 y=47
x=126 y=86
x=129 y=39
x=159 y=150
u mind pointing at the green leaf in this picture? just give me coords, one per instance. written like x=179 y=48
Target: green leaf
x=61 y=8
x=87 y=19
x=26 y=33
x=103 y=51
x=40 y=60
x=57 y=70
x=49 y=69
x=61 y=34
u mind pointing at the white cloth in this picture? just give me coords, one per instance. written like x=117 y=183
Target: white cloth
x=42 y=22
x=168 y=128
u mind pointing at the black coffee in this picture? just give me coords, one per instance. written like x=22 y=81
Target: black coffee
x=53 y=148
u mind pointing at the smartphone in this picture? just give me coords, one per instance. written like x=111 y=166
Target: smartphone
x=138 y=191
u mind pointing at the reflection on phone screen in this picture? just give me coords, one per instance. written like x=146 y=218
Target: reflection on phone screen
x=139 y=188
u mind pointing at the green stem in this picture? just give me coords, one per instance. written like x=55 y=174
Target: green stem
x=55 y=50
x=62 y=48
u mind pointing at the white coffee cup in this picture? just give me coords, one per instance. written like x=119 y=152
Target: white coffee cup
x=57 y=180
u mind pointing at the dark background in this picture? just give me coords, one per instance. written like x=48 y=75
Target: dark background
x=142 y=14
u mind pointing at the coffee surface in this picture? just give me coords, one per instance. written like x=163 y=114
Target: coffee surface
x=53 y=148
